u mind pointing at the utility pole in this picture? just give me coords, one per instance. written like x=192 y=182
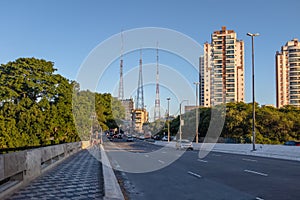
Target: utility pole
x=168 y=121
x=197 y=120
x=180 y=121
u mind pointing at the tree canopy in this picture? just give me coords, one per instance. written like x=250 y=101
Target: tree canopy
x=272 y=126
x=38 y=106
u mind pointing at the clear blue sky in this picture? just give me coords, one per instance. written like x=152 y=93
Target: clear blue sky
x=66 y=31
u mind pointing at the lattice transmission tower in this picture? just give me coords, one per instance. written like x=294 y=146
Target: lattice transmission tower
x=121 y=84
x=140 y=90
x=157 y=99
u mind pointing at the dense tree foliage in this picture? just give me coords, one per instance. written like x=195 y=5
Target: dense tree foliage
x=38 y=107
x=273 y=126
x=35 y=104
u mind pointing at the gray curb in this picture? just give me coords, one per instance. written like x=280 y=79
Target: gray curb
x=112 y=189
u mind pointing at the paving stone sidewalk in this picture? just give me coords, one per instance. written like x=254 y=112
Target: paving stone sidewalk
x=78 y=177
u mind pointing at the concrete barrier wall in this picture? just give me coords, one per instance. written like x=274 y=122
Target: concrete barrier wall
x=263 y=150
x=19 y=168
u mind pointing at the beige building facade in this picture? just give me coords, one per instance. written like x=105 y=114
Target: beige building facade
x=222 y=70
x=140 y=116
x=288 y=74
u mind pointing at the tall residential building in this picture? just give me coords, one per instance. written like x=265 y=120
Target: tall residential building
x=288 y=74
x=201 y=80
x=222 y=69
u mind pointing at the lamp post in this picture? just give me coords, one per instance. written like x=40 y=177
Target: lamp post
x=168 y=99
x=253 y=94
x=197 y=120
x=180 y=122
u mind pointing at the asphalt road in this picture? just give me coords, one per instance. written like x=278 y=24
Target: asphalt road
x=217 y=176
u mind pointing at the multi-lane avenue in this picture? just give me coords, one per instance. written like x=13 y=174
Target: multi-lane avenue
x=217 y=176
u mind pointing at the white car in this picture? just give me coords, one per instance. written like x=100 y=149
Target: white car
x=184 y=144
x=165 y=138
x=129 y=138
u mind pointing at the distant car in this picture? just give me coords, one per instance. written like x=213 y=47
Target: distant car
x=165 y=138
x=115 y=136
x=120 y=136
x=156 y=137
x=292 y=143
x=142 y=137
x=129 y=139
x=184 y=144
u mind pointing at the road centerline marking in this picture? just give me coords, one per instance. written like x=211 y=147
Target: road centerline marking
x=254 y=172
x=194 y=174
x=258 y=198
x=146 y=155
x=205 y=161
x=250 y=160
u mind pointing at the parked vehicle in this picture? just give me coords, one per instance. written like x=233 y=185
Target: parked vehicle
x=129 y=139
x=165 y=138
x=184 y=144
x=292 y=143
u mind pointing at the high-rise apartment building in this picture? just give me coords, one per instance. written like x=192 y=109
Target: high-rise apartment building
x=288 y=74
x=222 y=70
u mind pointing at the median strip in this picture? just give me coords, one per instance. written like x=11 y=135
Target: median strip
x=194 y=174
x=254 y=172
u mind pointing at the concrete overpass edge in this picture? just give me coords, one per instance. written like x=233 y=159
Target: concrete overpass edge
x=112 y=190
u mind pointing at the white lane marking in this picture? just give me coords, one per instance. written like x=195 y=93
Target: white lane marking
x=162 y=162
x=254 y=172
x=205 y=161
x=164 y=152
x=258 y=198
x=250 y=160
x=146 y=155
x=194 y=174
x=218 y=155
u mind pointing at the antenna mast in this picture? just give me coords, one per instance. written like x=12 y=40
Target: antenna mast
x=121 y=86
x=157 y=99
x=140 y=91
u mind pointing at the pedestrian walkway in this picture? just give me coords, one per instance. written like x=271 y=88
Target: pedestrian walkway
x=78 y=177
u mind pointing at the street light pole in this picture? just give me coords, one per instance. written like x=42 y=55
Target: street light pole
x=168 y=99
x=253 y=93
x=197 y=120
x=180 y=132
